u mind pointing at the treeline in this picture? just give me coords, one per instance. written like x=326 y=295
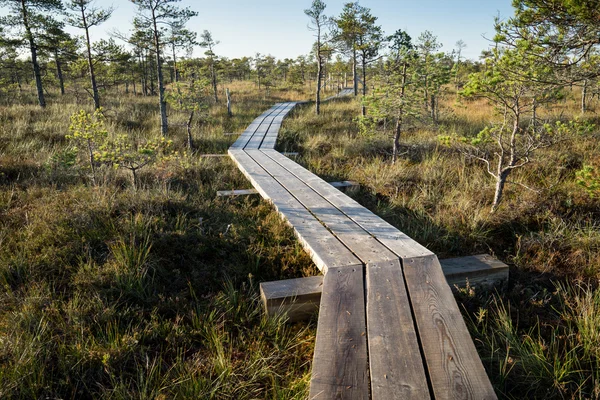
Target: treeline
x=148 y=60
x=537 y=57
x=157 y=52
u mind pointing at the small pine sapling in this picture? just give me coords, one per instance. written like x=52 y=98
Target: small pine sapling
x=191 y=99
x=123 y=152
x=88 y=131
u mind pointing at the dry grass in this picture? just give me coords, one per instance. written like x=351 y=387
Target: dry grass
x=112 y=293
x=535 y=338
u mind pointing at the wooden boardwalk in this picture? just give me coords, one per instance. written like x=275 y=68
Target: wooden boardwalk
x=389 y=327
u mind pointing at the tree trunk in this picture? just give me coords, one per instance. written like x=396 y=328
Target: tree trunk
x=164 y=126
x=175 y=73
x=33 y=48
x=433 y=106
x=188 y=125
x=92 y=161
x=584 y=96
x=213 y=76
x=354 y=74
x=399 y=120
x=59 y=74
x=364 y=83
x=89 y=59
x=228 y=103
x=134 y=179
x=319 y=72
x=500 y=182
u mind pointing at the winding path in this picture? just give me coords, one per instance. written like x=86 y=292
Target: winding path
x=389 y=327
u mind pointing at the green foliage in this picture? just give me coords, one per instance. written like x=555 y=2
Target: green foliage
x=123 y=152
x=589 y=178
x=89 y=131
x=86 y=127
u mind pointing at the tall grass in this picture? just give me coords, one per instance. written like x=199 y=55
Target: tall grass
x=111 y=293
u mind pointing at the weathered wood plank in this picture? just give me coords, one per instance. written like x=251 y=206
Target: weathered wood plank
x=236 y=192
x=324 y=248
x=489 y=269
x=395 y=360
x=390 y=236
x=344 y=184
x=365 y=246
x=298 y=298
x=340 y=364
x=481 y=270
x=245 y=137
x=454 y=367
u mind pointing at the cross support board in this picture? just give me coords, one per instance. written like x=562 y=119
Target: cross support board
x=300 y=298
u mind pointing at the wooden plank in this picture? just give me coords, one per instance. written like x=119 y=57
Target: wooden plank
x=344 y=184
x=297 y=298
x=323 y=247
x=455 y=370
x=396 y=365
x=481 y=270
x=488 y=270
x=365 y=246
x=390 y=236
x=243 y=140
x=237 y=192
x=340 y=364
x=272 y=122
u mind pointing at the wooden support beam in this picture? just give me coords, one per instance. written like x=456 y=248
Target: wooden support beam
x=232 y=133
x=344 y=184
x=242 y=192
x=291 y=154
x=300 y=298
x=214 y=155
x=238 y=192
x=481 y=270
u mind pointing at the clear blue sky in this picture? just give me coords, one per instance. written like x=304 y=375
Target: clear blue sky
x=245 y=27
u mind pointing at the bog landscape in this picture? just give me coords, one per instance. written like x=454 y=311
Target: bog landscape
x=132 y=268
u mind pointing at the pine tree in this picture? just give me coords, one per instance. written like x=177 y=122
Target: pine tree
x=84 y=15
x=30 y=18
x=155 y=13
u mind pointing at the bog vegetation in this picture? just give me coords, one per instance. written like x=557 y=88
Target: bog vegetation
x=123 y=275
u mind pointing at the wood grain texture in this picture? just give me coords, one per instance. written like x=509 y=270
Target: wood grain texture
x=454 y=367
x=297 y=298
x=236 y=192
x=395 y=360
x=390 y=236
x=340 y=364
x=360 y=242
x=323 y=247
x=285 y=291
x=480 y=270
x=246 y=136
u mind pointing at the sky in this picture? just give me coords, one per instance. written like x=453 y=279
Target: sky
x=279 y=27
